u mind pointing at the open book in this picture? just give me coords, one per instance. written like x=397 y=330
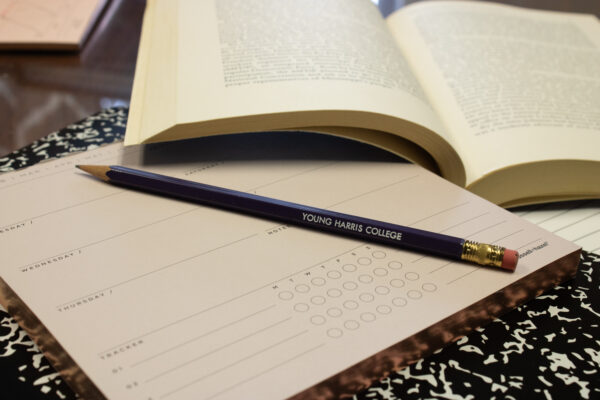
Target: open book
x=497 y=99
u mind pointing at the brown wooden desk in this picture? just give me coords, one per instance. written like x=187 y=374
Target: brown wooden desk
x=41 y=92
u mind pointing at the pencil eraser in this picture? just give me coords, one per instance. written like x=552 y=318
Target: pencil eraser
x=510 y=259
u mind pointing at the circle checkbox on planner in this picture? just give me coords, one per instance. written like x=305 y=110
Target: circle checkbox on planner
x=334 y=312
x=378 y=254
x=399 y=301
x=414 y=294
x=411 y=276
x=365 y=278
x=334 y=274
x=318 y=300
x=429 y=287
x=397 y=283
x=366 y=297
x=318 y=281
x=302 y=288
x=380 y=272
x=286 y=295
x=364 y=261
x=351 y=325
x=350 y=305
x=334 y=292
x=349 y=285
x=382 y=290
x=368 y=317
x=395 y=265
x=349 y=267
x=383 y=309
x=317 y=320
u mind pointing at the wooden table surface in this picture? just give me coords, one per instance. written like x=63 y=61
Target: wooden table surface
x=41 y=92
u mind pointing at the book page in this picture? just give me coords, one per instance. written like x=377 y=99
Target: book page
x=577 y=221
x=215 y=67
x=164 y=299
x=46 y=23
x=512 y=85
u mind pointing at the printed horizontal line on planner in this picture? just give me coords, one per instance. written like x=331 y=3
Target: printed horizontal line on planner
x=342 y=294
x=93 y=296
x=22 y=224
x=19 y=225
x=364 y=273
x=337 y=296
x=79 y=250
x=79 y=301
x=65 y=166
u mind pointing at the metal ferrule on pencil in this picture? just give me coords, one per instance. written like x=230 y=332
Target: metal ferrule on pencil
x=482 y=253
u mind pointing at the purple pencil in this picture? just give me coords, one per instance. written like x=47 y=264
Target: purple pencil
x=312 y=217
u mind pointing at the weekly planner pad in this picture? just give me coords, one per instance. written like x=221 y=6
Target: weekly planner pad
x=137 y=296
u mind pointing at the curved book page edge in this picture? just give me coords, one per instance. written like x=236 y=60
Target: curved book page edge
x=540 y=182
x=402 y=137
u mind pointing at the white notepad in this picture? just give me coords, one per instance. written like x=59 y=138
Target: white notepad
x=155 y=298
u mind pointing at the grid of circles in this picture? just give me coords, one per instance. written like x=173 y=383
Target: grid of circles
x=344 y=294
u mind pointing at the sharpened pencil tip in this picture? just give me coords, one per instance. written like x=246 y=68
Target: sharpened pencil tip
x=99 y=171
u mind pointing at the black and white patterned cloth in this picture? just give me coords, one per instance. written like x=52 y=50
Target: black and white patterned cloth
x=548 y=348
x=99 y=129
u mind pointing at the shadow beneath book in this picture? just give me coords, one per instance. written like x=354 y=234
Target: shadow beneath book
x=280 y=146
